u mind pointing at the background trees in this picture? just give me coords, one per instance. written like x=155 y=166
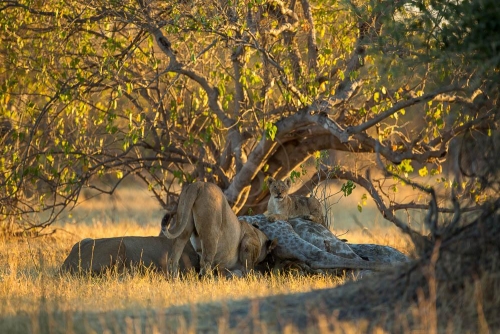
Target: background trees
x=231 y=92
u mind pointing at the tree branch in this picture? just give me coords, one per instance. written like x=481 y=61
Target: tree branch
x=312 y=47
x=386 y=211
x=234 y=137
x=351 y=130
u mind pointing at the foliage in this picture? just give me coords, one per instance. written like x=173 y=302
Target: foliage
x=93 y=92
x=472 y=35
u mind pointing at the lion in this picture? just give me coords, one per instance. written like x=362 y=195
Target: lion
x=95 y=256
x=205 y=217
x=282 y=206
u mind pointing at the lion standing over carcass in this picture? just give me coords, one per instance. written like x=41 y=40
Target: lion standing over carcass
x=205 y=218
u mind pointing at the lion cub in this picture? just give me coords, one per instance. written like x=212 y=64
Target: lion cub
x=282 y=206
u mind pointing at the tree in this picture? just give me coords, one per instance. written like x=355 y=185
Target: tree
x=233 y=92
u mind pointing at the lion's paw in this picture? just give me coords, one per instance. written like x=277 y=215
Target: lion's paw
x=272 y=218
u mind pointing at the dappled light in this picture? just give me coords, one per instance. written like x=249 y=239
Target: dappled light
x=380 y=118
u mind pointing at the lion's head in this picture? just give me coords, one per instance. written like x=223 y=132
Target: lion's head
x=279 y=189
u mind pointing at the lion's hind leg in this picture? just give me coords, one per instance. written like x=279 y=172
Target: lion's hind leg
x=209 y=226
x=312 y=218
x=318 y=219
x=208 y=253
x=177 y=248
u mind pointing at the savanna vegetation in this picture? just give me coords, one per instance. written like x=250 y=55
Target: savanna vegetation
x=35 y=298
x=398 y=99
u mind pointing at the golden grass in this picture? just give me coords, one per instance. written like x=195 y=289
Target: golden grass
x=29 y=274
x=30 y=283
x=34 y=298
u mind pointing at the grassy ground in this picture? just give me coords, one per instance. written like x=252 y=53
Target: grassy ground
x=30 y=283
x=35 y=298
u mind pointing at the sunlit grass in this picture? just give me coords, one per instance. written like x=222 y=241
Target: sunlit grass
x=34 y=297
x=30 y=282
x=29 y=275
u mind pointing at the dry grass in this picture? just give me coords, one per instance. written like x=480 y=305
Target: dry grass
x=35 y=298
x=28 y=273
x=30 y=284
x=29 y=279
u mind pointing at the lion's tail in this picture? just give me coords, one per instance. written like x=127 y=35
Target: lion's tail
x=184 y=210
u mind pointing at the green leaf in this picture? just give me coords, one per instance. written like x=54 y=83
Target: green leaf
x=406 y=167
x=271 y=130
x=294 y=175
x=347 y=188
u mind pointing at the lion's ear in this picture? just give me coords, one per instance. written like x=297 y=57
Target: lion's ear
x=172 y=203
x=270 y=180
x=165 y=221
x=271 y=244
x=288 y=182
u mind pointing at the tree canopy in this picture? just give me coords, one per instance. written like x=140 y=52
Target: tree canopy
x=234 y=91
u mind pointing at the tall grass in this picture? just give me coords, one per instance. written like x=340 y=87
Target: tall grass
x=30 y=281
x=29 y=275
x=34 y=297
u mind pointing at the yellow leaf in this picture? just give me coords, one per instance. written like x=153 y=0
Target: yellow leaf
x=423 y=171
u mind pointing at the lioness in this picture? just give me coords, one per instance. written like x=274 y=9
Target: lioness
x=282 y=206
x=205 y=217
x=97 y=255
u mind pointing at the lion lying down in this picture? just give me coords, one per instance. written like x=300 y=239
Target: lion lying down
x=98 y=255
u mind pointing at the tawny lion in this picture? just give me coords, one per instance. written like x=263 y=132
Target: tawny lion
x=98 y=255
x=205 y=217
x=282 y=206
